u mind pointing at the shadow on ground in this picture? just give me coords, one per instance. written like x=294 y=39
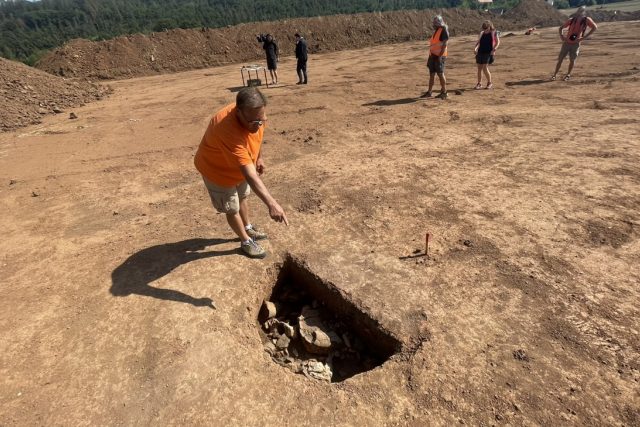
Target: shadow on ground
x=387 y=102
x=235 y=89
x=136 y=273
x=528 y=82
x=401 y=101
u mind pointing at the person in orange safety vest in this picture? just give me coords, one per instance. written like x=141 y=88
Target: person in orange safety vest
x=437 y=56
x=576 y=27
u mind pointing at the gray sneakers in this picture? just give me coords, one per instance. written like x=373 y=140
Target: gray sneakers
x=256 y=234
x=252 y=249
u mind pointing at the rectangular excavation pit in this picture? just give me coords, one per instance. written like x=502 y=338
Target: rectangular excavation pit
x=310 y=326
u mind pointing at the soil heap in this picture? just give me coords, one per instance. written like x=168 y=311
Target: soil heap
x=533 y=13
x=613 y=15
x=28 y=94
x=180 y=50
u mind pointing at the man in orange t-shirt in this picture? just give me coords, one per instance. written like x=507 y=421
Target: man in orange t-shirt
x=230 y=160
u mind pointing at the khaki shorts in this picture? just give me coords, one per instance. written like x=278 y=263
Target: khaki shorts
x=573 y=50
x=227 y=199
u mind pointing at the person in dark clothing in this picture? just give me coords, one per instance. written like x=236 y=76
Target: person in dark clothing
x=271 y=49
x=301 y=55
x=486 y=46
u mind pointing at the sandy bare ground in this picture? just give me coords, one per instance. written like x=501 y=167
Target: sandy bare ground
x=111 y=255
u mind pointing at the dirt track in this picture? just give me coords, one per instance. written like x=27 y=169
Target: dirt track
x=111 y=252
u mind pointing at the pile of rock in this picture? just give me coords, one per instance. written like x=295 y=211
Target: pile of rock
x=27 y=94
x=308 y=342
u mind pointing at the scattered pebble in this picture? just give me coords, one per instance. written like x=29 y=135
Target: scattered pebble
x=520 y=355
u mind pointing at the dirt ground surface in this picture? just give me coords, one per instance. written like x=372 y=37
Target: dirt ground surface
x=181 y=50
x=125 y=301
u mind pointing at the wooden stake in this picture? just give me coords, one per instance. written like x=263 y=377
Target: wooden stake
x=426 y=247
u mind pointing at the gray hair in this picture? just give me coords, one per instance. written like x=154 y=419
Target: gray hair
x=581 y=10
x=250 y=97
x=439 y=19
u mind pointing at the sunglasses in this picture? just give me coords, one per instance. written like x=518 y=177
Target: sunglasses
x=252 y=122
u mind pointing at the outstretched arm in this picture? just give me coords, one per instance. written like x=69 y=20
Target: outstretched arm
x=275 y=210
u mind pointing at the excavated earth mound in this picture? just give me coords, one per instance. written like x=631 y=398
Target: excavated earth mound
x=179 y=50
x=533 y=13
x=27 y=94
x=613 y=15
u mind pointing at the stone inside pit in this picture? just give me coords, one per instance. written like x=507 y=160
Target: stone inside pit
x=309 y=327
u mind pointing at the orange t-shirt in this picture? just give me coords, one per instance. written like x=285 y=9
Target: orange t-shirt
x=226 y=146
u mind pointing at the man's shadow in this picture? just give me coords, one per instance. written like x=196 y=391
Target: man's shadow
x=136 y=273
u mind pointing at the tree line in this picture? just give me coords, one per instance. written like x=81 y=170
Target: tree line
x=30 y=28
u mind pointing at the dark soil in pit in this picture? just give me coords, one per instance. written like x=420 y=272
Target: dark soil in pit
x=309 y=327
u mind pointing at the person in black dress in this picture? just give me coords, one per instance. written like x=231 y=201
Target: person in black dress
x=488 y=42
x=271 y=50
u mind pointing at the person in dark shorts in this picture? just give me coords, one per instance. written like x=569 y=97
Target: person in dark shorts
x=301 y=56
x=271 y=50
x=486 y=46
x=437 y=56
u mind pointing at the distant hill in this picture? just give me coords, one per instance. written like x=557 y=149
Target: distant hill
x=29 y=28
x=179 y=50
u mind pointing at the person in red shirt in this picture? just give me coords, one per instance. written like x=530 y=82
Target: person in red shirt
x=229 y=159
x=576 y=27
